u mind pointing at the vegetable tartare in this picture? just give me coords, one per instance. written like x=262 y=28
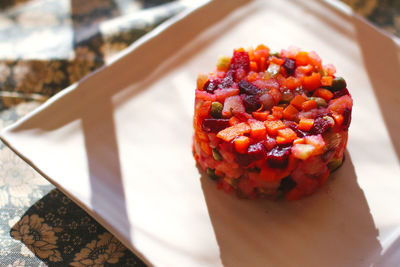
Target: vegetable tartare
x=268 y=124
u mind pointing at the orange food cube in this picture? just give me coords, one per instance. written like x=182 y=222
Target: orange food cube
x=306 y=124
x=299 y=141
x=277 y=112
x=262 y=47
x=262 y=62
x=338 y=119
x=289 y=112
x=233 y=121
x=260 y=115
x=274 y=126
x=292 y=83
x=305 y=69
x=309 y=105
x=277 y=61
x=302 y=58
x=241 y=144
x=253 y=66
x=230 y=133
x=323 y=93
x=286 y=136
x=257 y=129
x=312 y=82
x=326 y=80
x=298 y=101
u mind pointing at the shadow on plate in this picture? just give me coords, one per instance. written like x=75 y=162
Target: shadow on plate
x=333 y=227
x=62 y=234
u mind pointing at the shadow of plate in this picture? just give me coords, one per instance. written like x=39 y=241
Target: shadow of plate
x=333 y=227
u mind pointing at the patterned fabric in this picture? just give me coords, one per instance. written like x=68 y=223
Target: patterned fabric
x=45 y=45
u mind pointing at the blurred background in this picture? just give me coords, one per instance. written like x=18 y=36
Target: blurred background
x=46 y=45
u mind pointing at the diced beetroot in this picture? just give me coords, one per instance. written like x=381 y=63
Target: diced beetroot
x=211 y=85
x=346 y=118
x=211 y=125
x=243 y=159
x=269 y=143
x=240 y=60
x=251 y=103
x=289 y=65
x=257 y=151
x=233 y=105
x=340 y=93
x=320 y=125
x=247 y=88
x=228 y=79
x=278 y=157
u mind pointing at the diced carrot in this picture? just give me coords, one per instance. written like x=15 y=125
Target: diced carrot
x=241 y=144
x=261 y=47
x=261 y=115
x=299 y=141
x=206 y=148
x=274 y=126
x=262 y=62
x=306 y=124
x=292 y=83
x=309 y=105
x=257 y=129
x=277 y=112
x=312 y=82
x=252 y=77
x=271 y=118
x=323 y=93
x=233 y=121
x=253 y=66
x=286 y=136
x=289 y=112
x=338 y=118
x=302 y=58
x=240 y=49
x=298 y=101
x=326 y=80
x=277 y=61
x=228 y=134
x=250 y=51
x=305 y=69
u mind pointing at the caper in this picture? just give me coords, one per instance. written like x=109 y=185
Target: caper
x=211 y=174
x=320 y=101
x=338 y=84
x=216 y=110
x=216 y=154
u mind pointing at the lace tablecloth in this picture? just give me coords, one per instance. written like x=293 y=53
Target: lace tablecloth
x=46 y=45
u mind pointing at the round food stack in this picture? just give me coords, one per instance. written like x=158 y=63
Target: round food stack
x=271 y=124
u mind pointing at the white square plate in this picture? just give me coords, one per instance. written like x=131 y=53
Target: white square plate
x=119 y=144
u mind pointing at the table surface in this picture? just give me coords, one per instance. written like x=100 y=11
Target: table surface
x=46 y=45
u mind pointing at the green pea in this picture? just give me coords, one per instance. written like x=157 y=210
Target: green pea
x=211 y=174
x=216 y=154
x=335 y=163
x=320 y=101
x=338 y=84
x=216 y=110
x=275 y=54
